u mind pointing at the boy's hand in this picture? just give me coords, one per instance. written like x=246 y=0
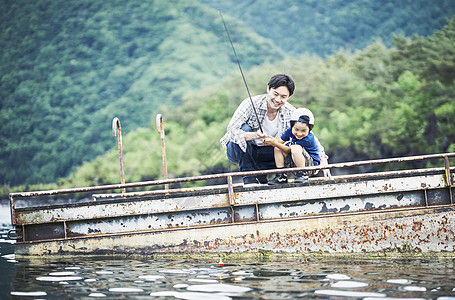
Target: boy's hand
x=269 y=141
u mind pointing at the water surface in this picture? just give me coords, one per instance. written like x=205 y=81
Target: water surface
x=298 y=277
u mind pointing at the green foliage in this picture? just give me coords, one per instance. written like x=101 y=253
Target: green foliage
x=323 y=27
x=69 y=68
x=362 y=109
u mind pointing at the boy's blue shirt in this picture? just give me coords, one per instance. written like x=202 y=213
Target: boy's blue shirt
x=308 y=143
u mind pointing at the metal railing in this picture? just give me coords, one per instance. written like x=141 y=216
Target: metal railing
x=229 y=177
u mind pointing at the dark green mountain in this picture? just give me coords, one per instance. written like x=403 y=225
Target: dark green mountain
x=69 y=67
x=323 y=27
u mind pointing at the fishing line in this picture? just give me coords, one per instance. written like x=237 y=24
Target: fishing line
x=241 y=72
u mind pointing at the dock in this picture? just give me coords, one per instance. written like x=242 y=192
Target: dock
x=388 y=211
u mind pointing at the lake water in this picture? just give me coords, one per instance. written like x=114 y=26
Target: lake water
x=298 y=277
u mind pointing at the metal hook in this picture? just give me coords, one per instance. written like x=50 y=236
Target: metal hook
x=12 y=235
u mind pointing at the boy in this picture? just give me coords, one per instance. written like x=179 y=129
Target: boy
x=299 y=141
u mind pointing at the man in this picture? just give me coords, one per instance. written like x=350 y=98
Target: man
x=244 y=141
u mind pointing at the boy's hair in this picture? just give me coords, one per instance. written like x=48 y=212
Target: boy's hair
x=303 y=119
x=282 y=80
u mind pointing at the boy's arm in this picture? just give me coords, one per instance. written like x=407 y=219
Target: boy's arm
x=324 y=160
x=277 y=142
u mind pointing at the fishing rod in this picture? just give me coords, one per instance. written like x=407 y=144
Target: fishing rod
x=241 y=72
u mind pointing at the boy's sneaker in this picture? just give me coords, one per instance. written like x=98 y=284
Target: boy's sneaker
x=279 y=179
x=301 y=177
x=262 y=179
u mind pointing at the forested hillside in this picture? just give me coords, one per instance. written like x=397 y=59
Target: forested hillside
x=376 y=103
x=69 y=67
x=323 y=27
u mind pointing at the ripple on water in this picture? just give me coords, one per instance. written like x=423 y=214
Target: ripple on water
x=9 y=256
x=97 y=295
x=190 y=295
x=58 y=278
x=349 y=284
x=338 y=277
x=104 y=272
x=7 y=241
x=28 y=294
x=190 y=281
x=200 y=280
x=415 y=288
x=61 y=273
x=392 y=298
x=349 y=293
x=176 y=271
x=225 y=288
x=126 y=290
x=151 y=277
x=399 y=281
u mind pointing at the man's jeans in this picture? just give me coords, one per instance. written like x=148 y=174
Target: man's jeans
x=255 y=158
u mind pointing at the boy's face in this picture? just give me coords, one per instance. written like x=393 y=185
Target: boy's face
x=300 y=130
x=277 y=97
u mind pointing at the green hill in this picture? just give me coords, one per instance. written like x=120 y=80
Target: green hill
x=375 y=103
x=68 y=68
x=323 y=27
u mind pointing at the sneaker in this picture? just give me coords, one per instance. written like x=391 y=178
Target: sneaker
x=279 y=179
x=250 y=180
x=301 y=177
x=262 y=179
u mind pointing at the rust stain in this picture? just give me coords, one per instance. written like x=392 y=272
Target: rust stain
x=417 y=226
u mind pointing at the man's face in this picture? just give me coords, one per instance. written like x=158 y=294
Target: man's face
x=277 y=97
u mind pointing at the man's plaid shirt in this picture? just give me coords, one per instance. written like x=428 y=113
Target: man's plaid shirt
x=244 y=114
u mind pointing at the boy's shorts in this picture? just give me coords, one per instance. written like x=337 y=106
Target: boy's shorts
x=289 y=163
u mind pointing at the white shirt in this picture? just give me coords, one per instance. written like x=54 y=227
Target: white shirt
x=270 y=128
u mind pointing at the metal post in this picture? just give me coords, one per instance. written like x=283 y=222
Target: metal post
x=160 y=129
x=116 y=126
x=231 y=197
x=448 y=176
x=230 y=191
x=12 y=210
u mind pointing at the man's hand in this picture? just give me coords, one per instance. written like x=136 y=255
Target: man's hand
x=257 y=135
x=260 y=135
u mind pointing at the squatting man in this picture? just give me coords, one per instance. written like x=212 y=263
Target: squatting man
x=246 y=144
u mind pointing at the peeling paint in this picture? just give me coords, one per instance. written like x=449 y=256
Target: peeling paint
x=361 y=214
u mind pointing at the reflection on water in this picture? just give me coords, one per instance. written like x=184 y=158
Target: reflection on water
x=85 y=277
x=88 y=278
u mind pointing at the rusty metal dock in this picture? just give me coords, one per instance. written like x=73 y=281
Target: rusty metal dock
x=381 y=211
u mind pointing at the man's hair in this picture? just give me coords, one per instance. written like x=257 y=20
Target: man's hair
x=282 y=80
